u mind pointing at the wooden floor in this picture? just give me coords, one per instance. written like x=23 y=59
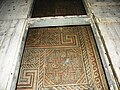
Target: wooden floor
x=107 y=18
x=14 y=21
x=47 y=8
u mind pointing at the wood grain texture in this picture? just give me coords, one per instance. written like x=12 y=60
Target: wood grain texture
x=106 y=16
x=59 y=21
x=13 y=14
x=111 y=35
x=110 y=13
x=15 y=9
x=10 y=48
x=103 y=2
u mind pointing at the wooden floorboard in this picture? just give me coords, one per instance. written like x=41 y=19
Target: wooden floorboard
x=111 y=36
x=107 y=19
x=10 y=50
x=14 y=9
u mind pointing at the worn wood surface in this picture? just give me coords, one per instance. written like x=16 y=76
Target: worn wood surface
x=106 y=15
x=13 y=14
x=103 y=2
x=15 y=9
x=111 y=36
x=104 y=58
x=59 y=21
x=10 y=50
x=110 y=13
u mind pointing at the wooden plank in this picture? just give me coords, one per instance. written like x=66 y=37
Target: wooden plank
x=14 y=9
x=1 y=2
x=10 y=51
x=3 y=30
x=59 y=21
x=12 y=31
x=91 y=5
x=106 y=13
x=103 y=2
x=106 y=4
x=104 y=58
x=111 y=35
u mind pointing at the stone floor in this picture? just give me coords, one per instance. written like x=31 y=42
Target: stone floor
x=61 y=58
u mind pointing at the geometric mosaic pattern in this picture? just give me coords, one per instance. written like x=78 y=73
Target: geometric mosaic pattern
x=52 y=37
x=28 y=79
x=47 y=8
x=61 y=58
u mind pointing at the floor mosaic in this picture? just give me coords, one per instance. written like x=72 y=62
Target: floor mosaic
x=61 y=58
x=46 y=8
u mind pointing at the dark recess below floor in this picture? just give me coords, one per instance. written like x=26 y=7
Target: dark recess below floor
x=45 y=8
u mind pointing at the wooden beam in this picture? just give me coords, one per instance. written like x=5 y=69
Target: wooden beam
x=58 y=21
x=15 y=9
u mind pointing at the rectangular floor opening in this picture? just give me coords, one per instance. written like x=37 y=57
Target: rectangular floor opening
x=61 y=58
x=45 y=8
